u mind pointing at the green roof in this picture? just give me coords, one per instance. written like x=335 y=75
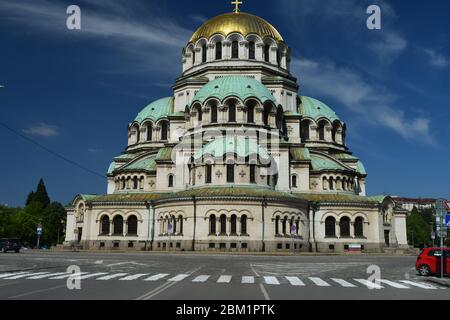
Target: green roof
x=156 y=110
x=339 y=198
x=143 y=164
x=241 y=146
x=316 y=109
x=164 y=154
x=300 y=154
x=344 y=156
x=111 y=167
x=234 y=86
x=319 y=163
x=360 y=168
x=126 y=156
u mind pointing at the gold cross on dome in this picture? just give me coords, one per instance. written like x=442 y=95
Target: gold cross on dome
x=236 y=3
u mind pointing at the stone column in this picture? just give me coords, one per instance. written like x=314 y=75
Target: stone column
x=243 y=50
x=198 y=56
x=259 y=51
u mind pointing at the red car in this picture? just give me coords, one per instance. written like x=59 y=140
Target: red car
x=429 y=261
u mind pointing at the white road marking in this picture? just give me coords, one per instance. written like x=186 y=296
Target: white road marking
x=28 y=274
x=156 y=277
x=369 y=284
x=271 y=280
x=319 y=282
x=46 y=276
x=112 y=276
x=343 y=283
x=248 y=279
x=92 y=275
x=134 y=276
x=4 y=275
x=202 y=278
x=394 y=284
x=67 y=275
x=418 y=284
x=178 y=277
x=224 y=279
x=295 y=281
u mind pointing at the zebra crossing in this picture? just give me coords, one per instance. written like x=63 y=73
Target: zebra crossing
x=224 y=279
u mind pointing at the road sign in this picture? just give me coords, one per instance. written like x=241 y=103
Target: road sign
x=447 y=221
x=433 y=235
x=39 y=232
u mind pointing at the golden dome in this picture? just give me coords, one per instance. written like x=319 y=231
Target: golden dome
x=243 y=23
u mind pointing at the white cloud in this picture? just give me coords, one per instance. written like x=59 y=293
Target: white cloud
x=375 y=105
x=42 y=129
x=140 y=44
x=436 y=59
x=390 y=46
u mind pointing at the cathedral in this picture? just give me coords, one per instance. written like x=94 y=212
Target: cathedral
x=236 y=160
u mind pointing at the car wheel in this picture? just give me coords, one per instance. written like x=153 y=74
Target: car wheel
x=424 y=270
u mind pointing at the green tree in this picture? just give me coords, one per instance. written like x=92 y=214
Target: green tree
x=418 y=229
x=40 y=195
x=54 y=223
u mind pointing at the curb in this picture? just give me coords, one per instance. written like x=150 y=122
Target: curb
x=443 y=282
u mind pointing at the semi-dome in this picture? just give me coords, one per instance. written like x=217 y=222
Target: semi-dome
x=156 y=110
x=234 y=86
x=240 y=146
x=242 y=23
x=315 y=109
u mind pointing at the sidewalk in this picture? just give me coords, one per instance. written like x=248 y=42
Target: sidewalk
x=441 y=281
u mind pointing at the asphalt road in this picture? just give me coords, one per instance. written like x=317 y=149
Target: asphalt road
x=189 y=276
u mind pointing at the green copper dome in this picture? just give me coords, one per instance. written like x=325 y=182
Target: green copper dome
x=234 y=86
x=242 y=147
x=322 y=163
x=156 y=110
x=315 y=109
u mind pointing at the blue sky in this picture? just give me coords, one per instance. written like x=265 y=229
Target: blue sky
x=74 y=92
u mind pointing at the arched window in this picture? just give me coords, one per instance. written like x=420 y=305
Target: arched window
x=331 y=183
x=218 y=50
x=305 y=130
x=251 y=50
x=135 y=183
x=104 y=226
x=250 y=114
x=180 y=222
x=285 y=219
x=199 y=114
x=244 y=224
x=223 y=224
x=132 y=225
x=138 y=133
x=344 y=226
x=164 y=130
x=149 y=132
x=232 y=112
x=277 y=225
x=212 y=224
x=233 y=225
x=118 y=225
x=214 y=114
x=330 y=227
x=322 y=131
x=193 y=57
x=171 y=181
x=267 y=53
x=344 y=184
x=359 y=227
x=174 y=225
x=252 y=173
x=294 y=181
x=235 y=50
x=204 y=53
x=297 y=224
x=208 y=175
x=266 y=114
x=278 y=57
x=230 y=172
x=123 y=183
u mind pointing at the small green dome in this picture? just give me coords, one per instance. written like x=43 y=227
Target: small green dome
x=315 y=109
x=234 y=86
x=241 y=146
x=156 y=110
